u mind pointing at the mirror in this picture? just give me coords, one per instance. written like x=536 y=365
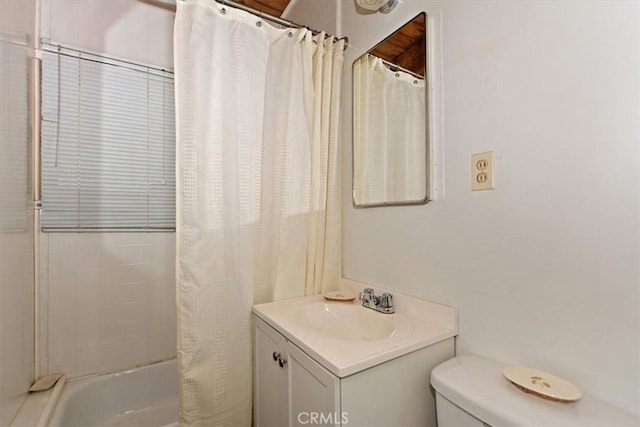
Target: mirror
x=390 y=111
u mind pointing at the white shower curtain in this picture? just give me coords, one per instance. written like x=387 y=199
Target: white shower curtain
x=389 y=135
x=257 y=191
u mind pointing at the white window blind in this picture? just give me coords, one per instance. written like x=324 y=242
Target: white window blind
x=108 y=144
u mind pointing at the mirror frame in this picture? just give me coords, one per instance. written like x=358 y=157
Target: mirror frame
x=428 y=193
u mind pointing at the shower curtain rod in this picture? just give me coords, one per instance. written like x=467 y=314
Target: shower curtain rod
x=396 y=67
x=275 y=19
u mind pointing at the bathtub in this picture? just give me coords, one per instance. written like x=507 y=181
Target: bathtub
x=144 y=396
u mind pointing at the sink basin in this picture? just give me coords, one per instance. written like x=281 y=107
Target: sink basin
x=346 y=337
x=351 y=322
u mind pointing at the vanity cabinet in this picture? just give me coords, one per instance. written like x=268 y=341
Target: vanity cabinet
x=292 y=389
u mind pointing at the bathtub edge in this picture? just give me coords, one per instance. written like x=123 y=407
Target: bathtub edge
x=37 y=407
x=52 y=402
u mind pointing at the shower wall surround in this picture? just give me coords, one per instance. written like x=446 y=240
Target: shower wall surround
x=17 y=28
x=108 y=299
x=544 y=269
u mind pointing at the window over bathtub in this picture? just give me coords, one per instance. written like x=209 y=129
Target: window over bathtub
x=107 y=143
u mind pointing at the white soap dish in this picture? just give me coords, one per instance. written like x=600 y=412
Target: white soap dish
x=338 y=296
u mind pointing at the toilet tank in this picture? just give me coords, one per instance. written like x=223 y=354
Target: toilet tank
x=471 y=391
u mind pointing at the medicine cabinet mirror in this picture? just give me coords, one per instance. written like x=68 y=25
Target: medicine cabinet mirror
x=390 y=120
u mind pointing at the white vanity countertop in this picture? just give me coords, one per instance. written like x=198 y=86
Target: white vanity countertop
x=416 y=324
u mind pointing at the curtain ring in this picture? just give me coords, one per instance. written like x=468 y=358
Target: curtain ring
x=259 y=23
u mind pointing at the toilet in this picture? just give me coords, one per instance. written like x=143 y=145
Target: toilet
x=472 y=392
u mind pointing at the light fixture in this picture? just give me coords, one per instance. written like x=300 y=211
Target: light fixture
x=384 y=6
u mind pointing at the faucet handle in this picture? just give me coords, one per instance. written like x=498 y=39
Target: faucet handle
x=386 y=300
x=366 y=291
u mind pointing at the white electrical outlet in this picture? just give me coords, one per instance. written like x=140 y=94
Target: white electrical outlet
x=483 y=171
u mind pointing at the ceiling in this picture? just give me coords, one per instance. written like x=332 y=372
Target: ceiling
x=270 y=7
x=405 y=47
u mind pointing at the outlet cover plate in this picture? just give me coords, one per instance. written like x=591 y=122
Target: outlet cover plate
x=483 y=171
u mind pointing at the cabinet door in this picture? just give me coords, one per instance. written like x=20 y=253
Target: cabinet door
x=270 y=380
x=314 y=392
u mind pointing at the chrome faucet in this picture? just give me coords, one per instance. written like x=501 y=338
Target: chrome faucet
x=382 y=303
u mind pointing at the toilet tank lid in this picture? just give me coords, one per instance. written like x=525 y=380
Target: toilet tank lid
x=478 y=386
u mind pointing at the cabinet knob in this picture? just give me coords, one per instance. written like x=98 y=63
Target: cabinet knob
x=276 y=356
x=281 y=362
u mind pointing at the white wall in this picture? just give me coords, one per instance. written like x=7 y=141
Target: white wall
x=321 y=15
x=108 y=299
x=17 y=25
x=544 y=269
x=136 y=30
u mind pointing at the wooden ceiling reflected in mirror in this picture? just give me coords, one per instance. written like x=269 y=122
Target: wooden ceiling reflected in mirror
x=270 y=7
x=405 y=47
